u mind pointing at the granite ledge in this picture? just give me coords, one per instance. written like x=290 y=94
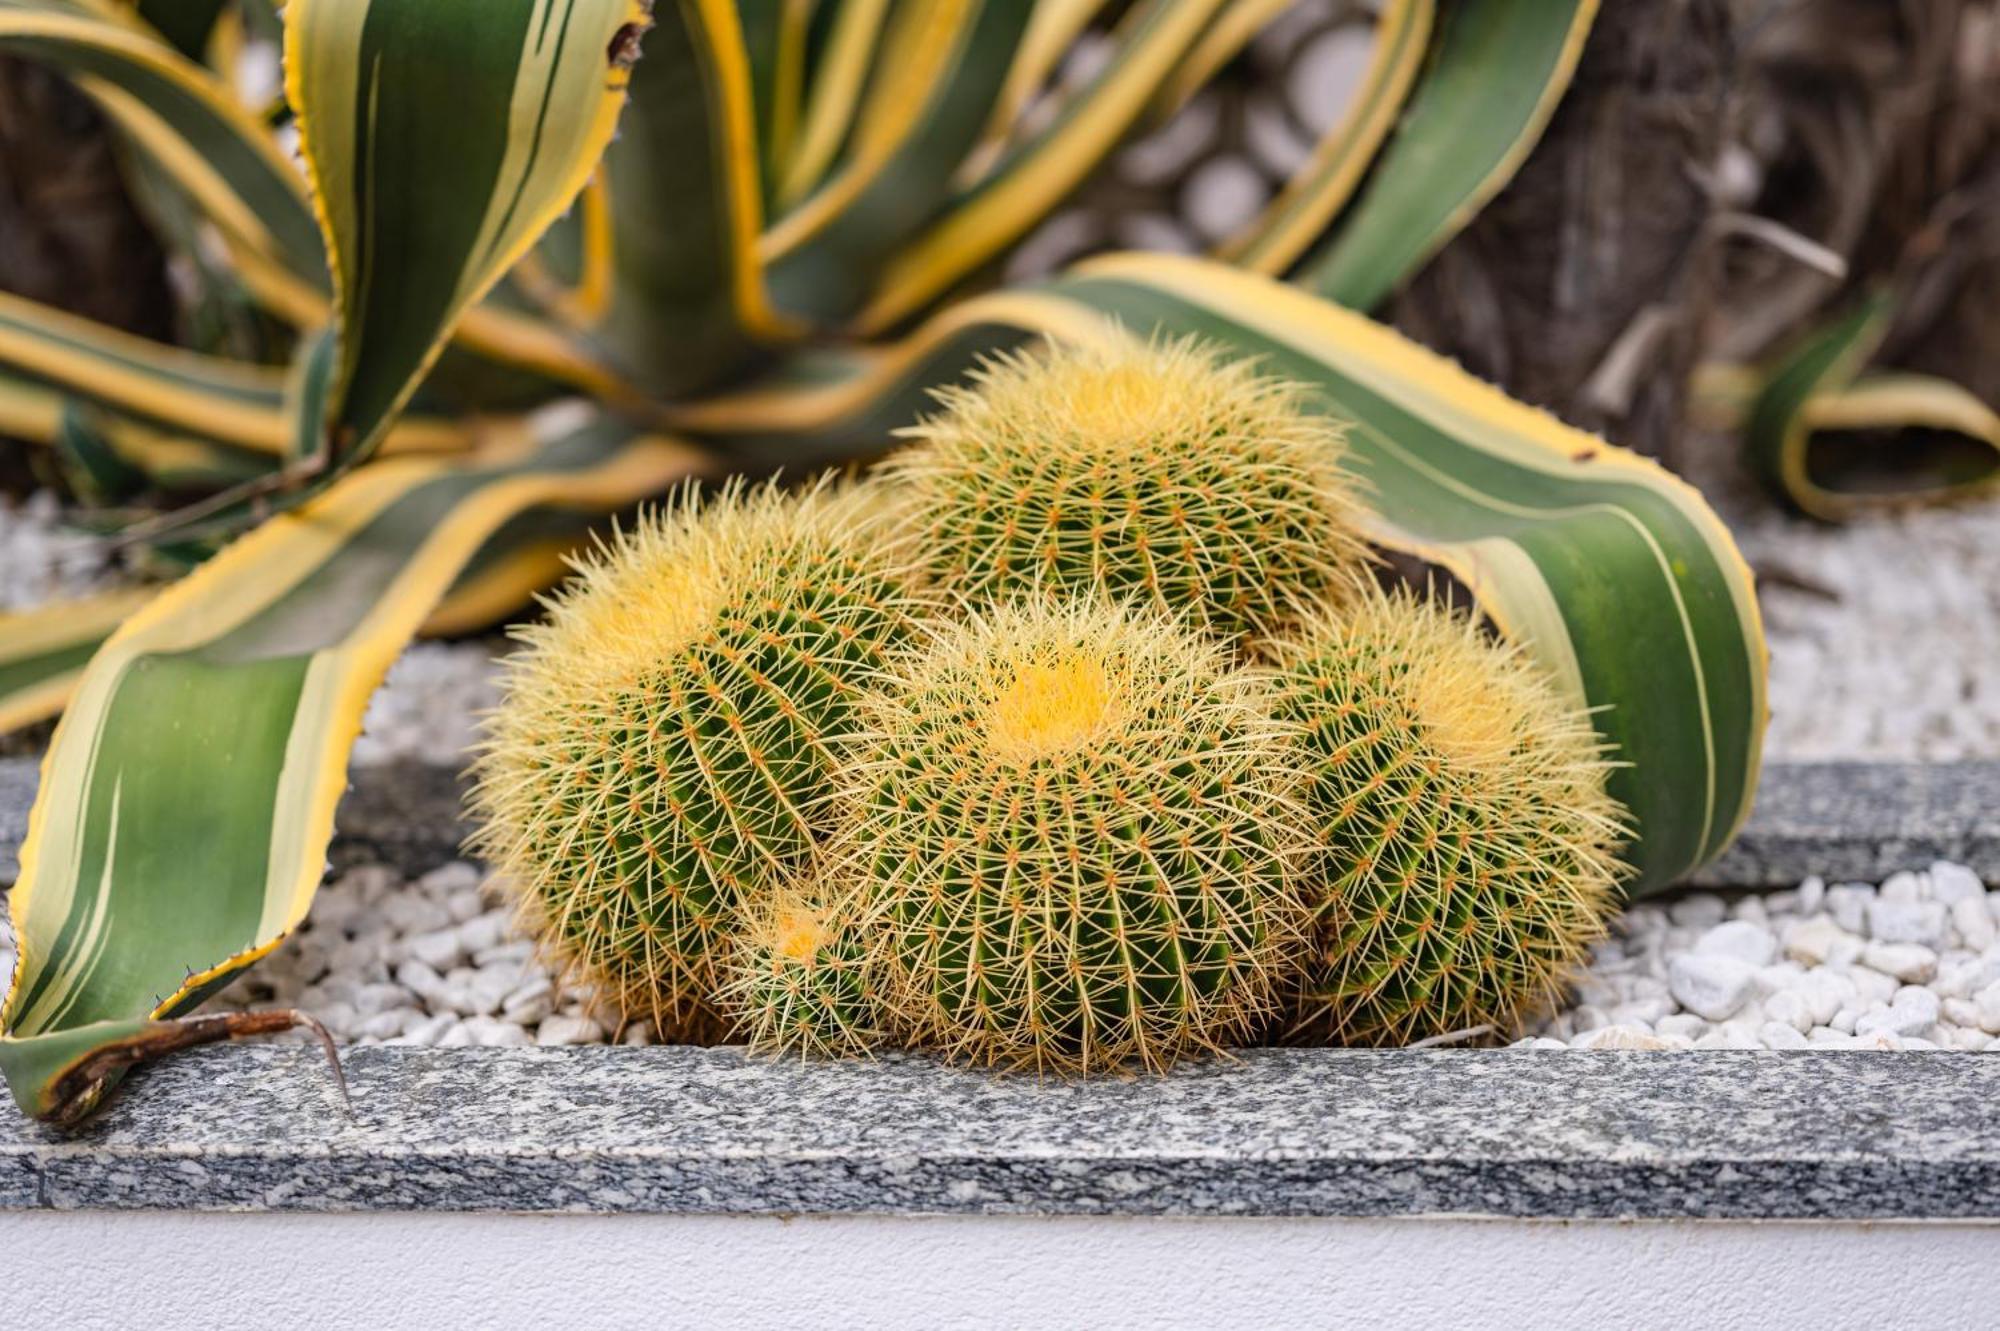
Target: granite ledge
x=1830 y=1136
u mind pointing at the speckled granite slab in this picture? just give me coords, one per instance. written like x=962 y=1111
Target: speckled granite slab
x=1279 y=1132
x=1860 y=821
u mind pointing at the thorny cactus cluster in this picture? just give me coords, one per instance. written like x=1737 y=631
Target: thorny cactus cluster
x=1077 y=738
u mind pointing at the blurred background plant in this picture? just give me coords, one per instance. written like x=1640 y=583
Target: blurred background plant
x=812 y=213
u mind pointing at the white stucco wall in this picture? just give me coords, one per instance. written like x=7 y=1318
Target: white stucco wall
x=433 y=1271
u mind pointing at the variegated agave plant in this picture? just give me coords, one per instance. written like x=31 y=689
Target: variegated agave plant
x=733 y=237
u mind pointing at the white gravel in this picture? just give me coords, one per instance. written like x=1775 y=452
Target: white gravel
x=1911 y=964
x=40 y=559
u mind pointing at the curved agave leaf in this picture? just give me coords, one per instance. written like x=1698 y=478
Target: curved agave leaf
x=686 y=301
x=1294 y=221
x=1616 y=575
x=1816 y=399
x=195 y=396
x=218 y=152
x=835 y=93
x=162 y=860
x=43 y=651
x=428 y=188
x=1031 y=179
x=941 y=70
x=1498 y=69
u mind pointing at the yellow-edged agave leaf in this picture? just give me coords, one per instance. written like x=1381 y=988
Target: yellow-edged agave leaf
x=1031 y=178
x=941 y=69
x=43 y=651
x=1294 y=221
x=189 y=25
x=1616 y=575
x=775 y=34
x=441 y=138
x=835 y=92
x=1835 y=443
x=163 y=859
x=217 y=151
x=686 y=301
x=1496 y=72
x=1229 y=33
x=98 y=440
x=189 y=393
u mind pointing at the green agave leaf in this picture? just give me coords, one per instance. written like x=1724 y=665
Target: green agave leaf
x=834 y=93
x=941 y=70
x=162 y=860
x=441 y=138
x=193 y=396
x=1032 y=178
x=1616 y=575
x=1496 y=73
x=187 y=24
x=183 y=115
x=1817 y=430
x=686 y=300
x=1294 y=221
x=43 y=651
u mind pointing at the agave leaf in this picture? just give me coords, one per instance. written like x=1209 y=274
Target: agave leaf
x=1616 y=575
x=1497 y=70
x=429 y=188
x=187 y=24
x=43 y=651
x=193 y=395
x=1033 y=177
x=686 y=301
x=834 y=94
x=1803 y=423
x=942 y=67
x=218 y=152
x=1291 y=223
x=162 y=860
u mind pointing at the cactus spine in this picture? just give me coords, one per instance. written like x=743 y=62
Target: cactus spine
x=796 y=980
x=664 y=746
x=1150 y=470
x=1469 y=851
x=1072 y=834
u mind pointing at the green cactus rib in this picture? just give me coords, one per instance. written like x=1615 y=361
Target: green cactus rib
x=665 y=745
x=1469 y=851
x=1072 y=841
x=1157 y=469
x=797 y=982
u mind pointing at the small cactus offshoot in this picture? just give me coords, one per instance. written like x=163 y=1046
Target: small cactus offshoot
x=665 y=744
x=1469 y=852
x=795 y=980
x=1072 y=832
x=1157 y=471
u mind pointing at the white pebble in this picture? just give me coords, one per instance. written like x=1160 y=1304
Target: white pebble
x=383 y=1025
x=1895 y=921
x=464 y=904
x=1779 y=1035
x=439 y=949
x=1623 y=1037
x=1711 y=985
x=1812 y=894
x=1817 y=939
x=491 y=1033
x=1914 y=1010
x=1973 y=923
x=413 y=912
x=1698 y=911
x=446 y=879
x=1789 y=1008
x=1960 y=1012
x=1911 y=963
x=531 y=1002
x=483 y=932
x=1685 y=1025
x=1741 y=939
x=1954 y=882
x=565 y=1029
x=372 y=999
x=1906 y=887
x=1848 y=904
x=1987 y=1000
x=638 y=1033
x=427 y=1032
